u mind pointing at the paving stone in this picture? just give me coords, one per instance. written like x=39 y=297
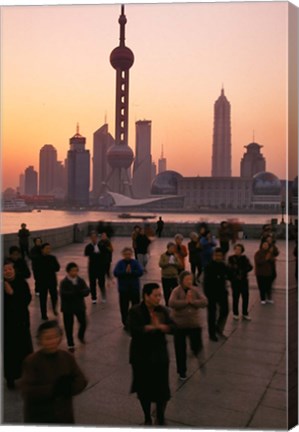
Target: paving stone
x=239 y=386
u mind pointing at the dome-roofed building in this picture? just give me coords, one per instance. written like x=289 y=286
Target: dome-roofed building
x=166 y=183
x=266 y=183
x=266 y=191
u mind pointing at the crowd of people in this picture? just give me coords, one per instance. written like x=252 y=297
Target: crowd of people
x=50 y=376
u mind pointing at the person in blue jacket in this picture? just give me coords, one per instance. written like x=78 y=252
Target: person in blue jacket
x=128 y=271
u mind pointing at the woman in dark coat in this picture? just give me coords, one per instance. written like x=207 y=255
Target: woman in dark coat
x=148 y=324
x=16 y=326
x=264 y=264
x=50 y=379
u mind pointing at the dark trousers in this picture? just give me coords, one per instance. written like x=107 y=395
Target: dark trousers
x=240 y=288
x=36 y=287
x=68 y=320
x=265 y=286
x=24 y=250
x=93 y=278
x=160 y=411
x=43 y=296
x=217 y=324
x=196 y=267
x=180 y=345
x=126 y=297
x=168 y=285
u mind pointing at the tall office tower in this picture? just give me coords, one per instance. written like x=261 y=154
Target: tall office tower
x=253 y=161
x=142 y=169
x=102 y=141
x=120 y=155
x=30 y=181
x=78 y=169
x=221 y=158
x=47 y=168
x=22 y=184
x=162 y=163
x=60 y=185
x=154 y=170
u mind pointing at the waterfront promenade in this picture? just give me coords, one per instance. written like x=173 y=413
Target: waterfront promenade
x=239 y=383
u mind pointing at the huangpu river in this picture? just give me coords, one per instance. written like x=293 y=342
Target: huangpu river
x=46 y=219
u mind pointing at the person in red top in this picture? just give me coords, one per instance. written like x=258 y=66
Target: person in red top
x=181 y=251
x=264 y=263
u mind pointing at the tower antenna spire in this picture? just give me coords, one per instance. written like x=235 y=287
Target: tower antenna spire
x=122 y=21
x=253 y=136
x=162 y=152
x=77 y=128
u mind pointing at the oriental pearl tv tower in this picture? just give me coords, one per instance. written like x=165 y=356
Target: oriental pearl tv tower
x=120 y=155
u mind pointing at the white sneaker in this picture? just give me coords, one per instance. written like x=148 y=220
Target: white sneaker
x=94 y=301
x=236 y=317
x=263 y=302
x=270 y=301
x=246 y=317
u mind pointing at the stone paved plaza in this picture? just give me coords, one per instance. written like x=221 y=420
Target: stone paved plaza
x=241 y=382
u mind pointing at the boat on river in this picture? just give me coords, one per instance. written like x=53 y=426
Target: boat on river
x=136 y=216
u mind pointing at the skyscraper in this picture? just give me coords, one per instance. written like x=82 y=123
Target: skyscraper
x=142 y=169
x=102 y=141
x=253 y=161
x=162 y=163
x=120 y=155
x=221 y=157
x=47 y=169
x=78 y=171
x=22 y=184
x=30 y=181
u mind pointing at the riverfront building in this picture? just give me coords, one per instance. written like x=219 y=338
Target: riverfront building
x=253 y=162
x=30 y=185
x=142 y=168
x=78 y=171
x=221 y=156
x=102 y=142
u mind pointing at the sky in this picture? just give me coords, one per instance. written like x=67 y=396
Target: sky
x=56 y=72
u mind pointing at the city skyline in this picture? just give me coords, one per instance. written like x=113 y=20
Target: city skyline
x=177 y=98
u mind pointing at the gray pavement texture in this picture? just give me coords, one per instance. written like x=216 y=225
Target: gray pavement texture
x=241 y=382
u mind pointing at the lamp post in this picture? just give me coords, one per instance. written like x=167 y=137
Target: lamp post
x=282 y=205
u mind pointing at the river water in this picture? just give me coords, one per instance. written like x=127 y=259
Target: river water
x=10 y=222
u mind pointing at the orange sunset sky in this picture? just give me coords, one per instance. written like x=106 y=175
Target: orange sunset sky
x=56 y=72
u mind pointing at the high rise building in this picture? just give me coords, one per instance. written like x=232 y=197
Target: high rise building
x=162 y=163
x=221 y=157
x=102 y=141
x=22 y=184
x=253 y=161
x=142 y=169
x=120 y=155
x=47 y=169
x=78 y=171
x=30 y=181
x=154 y=170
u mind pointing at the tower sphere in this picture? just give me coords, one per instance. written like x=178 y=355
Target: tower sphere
x=120 y=156
x=122 y=58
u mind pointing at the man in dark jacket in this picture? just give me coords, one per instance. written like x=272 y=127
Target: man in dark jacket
x=97 y=265
x=215 y=277
x=46 y=268
x=128 y=271
x=72 y=291
x=24 y=235
x=19 y=263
